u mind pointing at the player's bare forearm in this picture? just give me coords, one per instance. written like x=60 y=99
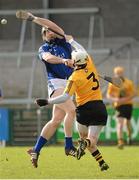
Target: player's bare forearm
x=125 y=99
x=49 y=24
x=52 y=59
x=128 y=98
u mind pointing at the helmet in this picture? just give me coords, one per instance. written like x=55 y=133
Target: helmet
x=80 y=57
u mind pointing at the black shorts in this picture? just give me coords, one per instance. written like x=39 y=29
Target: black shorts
x=92 y=113
x=124 y=111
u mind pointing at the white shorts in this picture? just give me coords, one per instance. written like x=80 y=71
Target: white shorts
x=54 y=84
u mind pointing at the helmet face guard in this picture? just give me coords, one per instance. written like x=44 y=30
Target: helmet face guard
x=79 y=57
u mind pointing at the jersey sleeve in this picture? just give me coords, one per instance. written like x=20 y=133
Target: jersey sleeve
x=41 y=51
x=70 y=87
x=77 y=46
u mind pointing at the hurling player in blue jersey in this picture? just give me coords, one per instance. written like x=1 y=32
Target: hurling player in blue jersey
x=55 y=54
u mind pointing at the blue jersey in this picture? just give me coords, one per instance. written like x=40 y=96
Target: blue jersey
x=59 y=48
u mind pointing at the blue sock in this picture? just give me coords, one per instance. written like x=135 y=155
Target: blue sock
x=68 y=143
x=39 y=144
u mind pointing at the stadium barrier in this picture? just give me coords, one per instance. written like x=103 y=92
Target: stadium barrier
x=25 y=125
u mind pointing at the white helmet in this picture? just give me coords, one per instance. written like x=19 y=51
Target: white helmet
x=80 y=57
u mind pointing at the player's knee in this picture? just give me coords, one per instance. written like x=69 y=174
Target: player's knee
x=55 y=122
x=70 y=111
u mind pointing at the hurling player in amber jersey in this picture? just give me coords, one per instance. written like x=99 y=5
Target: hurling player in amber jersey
x=123 y=103
x=84 y=83
x=91 y=114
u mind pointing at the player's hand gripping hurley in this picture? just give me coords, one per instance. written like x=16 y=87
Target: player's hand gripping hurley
x=21 y=14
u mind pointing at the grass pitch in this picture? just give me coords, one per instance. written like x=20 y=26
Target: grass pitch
x=15 y=164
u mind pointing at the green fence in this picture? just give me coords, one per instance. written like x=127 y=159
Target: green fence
x=109 y=132
x=25 y=127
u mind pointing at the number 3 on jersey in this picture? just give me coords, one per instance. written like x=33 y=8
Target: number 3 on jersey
x=92 y=75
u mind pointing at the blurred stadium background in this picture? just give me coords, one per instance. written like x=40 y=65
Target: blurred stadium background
x=108 y=29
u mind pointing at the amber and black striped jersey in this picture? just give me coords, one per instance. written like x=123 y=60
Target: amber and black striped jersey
x=85 y=84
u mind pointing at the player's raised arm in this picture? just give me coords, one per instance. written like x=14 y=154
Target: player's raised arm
x=51 y=25
x=74 y=43
x=40 y=21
